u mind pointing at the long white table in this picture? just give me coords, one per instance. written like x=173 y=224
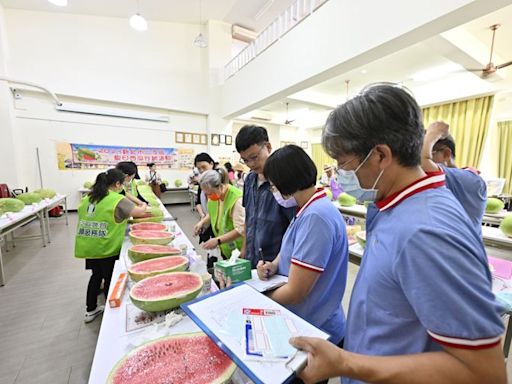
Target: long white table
x=50 y=204
x=12 y=221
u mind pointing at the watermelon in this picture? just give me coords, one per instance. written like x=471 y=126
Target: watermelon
x=328 y=192
x=187 y=358
x=346 y=200
x=148 y=227
x=151 y=237
x=506 y=225
x=178 y=183
x=149 y=219
x=494 y=205
x=143 y=252
x=29 y=198
x=46 y=193
x=148 y=268
x=10 y=205
x=165 y=182
x=167 y=291
x=88 y=185
x=361 y=238
x=140 y=183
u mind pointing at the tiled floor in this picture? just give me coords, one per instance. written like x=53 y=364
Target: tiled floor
x=43 y=338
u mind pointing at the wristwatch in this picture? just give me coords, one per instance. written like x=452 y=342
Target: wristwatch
x=219 y=242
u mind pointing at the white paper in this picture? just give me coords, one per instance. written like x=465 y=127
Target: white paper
x=273 y=282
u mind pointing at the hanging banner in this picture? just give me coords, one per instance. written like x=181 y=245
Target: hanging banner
x=87 y=156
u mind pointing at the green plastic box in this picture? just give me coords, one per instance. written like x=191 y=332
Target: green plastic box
x=239 y=271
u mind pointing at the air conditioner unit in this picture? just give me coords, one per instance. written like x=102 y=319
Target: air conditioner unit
x=243 y=34
x=112 y=112
x=261 y=115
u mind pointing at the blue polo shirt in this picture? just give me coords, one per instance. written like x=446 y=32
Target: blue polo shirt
x=424 y=281
x=316 y=240
x=471 y=191
x=265 y=220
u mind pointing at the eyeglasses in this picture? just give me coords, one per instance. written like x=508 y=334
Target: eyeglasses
x=253 y=158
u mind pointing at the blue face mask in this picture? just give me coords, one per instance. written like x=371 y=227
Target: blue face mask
x=350 y=183
x=286 y=203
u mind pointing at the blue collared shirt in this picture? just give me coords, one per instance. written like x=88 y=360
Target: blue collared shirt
x=424 y=280
x=265 y=220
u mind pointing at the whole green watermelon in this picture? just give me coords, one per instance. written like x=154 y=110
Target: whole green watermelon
x=46 y=193
x=29 y=198
x=10 y=205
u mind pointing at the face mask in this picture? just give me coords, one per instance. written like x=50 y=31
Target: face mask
x=286 y=203
x=350 y=183
x=213 y=197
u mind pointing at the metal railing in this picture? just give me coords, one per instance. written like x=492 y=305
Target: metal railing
x=292 y=16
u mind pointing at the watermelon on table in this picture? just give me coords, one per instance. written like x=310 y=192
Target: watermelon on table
x=148 y=268
x=187 y=358
x=151 y=237
x=141 y=252
x=148 y=227
x=8 y=204
x=166 y=291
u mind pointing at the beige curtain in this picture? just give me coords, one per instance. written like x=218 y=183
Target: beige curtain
x=504 y=155
x=320 y=158
x=469 y=123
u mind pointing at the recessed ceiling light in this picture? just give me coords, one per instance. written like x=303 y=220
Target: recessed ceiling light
x=138 y=23
x=364 y=71
x=60 y=3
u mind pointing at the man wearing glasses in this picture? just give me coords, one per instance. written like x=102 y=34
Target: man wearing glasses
x=266 y=216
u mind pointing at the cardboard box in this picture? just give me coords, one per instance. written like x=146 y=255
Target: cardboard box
x=116 y=296
x=239 y=271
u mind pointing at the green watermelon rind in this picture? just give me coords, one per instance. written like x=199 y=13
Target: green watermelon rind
x=8 y=204
x=361 y=238
x=151 y=219
x=166 y=303
x=141 y=276
x=494 y=205
x=222 y=379
x=346 y=200
x=137 y=257
x=29 y=198
x=46 y=193
x=506 y=226
x=157 y=240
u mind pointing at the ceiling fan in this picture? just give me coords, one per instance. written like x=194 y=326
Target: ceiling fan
x=491 y=68
x=287 y=121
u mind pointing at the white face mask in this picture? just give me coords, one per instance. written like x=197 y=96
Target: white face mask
x=287 y=203
x=349 y=181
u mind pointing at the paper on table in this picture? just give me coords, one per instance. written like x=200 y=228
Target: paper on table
x=273 y=282
x=502 y=268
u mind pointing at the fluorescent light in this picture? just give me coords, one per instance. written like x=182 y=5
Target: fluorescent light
x=113 y=112
x=138 y=23
x=200 y=41
x=60 y=3
x=436 y=72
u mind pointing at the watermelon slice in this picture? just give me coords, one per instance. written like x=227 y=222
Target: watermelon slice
x=188 y=358
x=158 y=266
x=151 y=237
x=141 y=252
x=361 y=238
x=148 y=227
x=163 y=292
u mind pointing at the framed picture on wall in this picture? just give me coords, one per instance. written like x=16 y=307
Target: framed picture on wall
x=196 y=138
x=229 y=140
x=179 y=137
x=222 y=139
x=204 y=139
x=304 y=144
x=215 y=139
x=188 y=138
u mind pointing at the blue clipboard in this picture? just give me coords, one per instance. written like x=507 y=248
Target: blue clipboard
x=240 y=363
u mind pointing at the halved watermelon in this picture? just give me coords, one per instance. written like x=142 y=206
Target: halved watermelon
x=151 y=237
x=188 y=358
x=141 y=252
x=166 y=291
x=145 y=269
x=148 y=227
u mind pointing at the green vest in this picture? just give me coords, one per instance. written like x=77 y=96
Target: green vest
x=133 y=188
x=225 y=224
x=98 y=235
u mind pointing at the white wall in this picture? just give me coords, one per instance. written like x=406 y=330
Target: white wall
x=340 y=36
x=39 y=125
x=104 y=58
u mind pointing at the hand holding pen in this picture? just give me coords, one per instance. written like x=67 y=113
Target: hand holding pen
x=265 y=269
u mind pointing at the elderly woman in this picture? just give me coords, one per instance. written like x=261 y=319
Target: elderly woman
x=225 y=212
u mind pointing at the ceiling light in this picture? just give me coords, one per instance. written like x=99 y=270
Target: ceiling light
x=138 y=23
x=60 y=3
x=436 y=72
x=364 y=71
x=200 y=41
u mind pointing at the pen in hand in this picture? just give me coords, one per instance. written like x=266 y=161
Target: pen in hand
x=263 y=260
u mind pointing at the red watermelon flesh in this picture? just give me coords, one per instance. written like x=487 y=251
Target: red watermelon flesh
x=189 y=358
x=148 y=227
x=150 y=234
x=142 y=252
x=165 y=285
x=158 y=264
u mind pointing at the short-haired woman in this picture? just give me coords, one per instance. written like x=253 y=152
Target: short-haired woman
x=314 y=251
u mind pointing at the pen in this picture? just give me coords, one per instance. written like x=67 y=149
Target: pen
x=263 y=259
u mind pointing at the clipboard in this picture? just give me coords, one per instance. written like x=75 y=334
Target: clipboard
x=207 y=311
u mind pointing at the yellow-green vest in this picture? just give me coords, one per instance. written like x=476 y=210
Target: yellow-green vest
x=225 y=224
x=98 y=235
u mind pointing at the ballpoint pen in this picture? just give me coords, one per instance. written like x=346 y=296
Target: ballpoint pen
x=263 y=259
